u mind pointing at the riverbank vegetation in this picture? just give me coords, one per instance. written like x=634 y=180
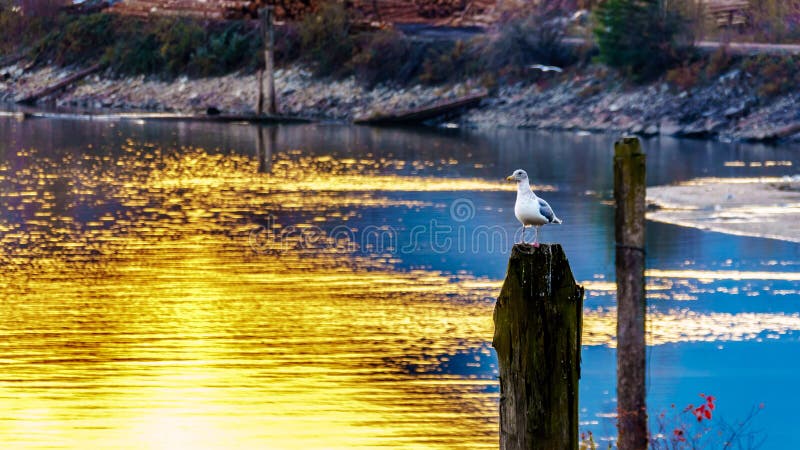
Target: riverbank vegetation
x=326 y=42
x=645 y=41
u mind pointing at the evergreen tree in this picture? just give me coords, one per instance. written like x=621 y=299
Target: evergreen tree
x=640 y=37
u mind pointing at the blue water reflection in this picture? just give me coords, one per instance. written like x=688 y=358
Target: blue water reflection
x=420 y=230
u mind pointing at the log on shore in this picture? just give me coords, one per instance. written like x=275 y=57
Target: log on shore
x=418 y=115
x=32 y=98
x=171 y=117
x=11 y=59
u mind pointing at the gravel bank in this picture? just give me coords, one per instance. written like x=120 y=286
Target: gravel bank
x=760 y=207
x=299 y=93
x=728 y=108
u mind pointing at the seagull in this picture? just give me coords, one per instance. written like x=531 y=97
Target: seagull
x=544 y=68
x=530 y=209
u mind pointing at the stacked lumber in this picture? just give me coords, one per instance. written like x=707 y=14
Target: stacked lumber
x=408 y=11
x=210 y=9
x=430 y=12
x=291 y=10
x=439 y=8
x=727 y=13
x=215 y=9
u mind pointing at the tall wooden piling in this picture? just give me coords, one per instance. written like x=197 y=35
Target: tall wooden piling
x=629 y=225
x=537 y=336
x=268 y=33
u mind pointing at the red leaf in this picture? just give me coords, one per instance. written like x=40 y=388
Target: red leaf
x=708 y=413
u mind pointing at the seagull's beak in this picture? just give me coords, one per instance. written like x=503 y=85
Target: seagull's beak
x=510 y=178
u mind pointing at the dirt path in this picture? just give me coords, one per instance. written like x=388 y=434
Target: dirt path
x=735 y=48
x=750 y=48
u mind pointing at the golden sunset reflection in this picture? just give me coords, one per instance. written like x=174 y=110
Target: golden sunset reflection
x=309 y=174
x=325 y=357
x=136 y=312
x=148 y=321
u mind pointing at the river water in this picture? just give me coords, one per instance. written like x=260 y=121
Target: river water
x=171 y=285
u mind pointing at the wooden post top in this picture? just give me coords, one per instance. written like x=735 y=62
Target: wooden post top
x=628 y=146
x=529 y=249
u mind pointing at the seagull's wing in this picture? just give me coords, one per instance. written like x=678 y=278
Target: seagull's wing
x=546 y=210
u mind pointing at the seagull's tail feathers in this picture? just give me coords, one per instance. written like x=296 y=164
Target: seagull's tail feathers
x=556 y=220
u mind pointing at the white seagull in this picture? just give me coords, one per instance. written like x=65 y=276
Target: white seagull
x=530 y=209
x=544 y=68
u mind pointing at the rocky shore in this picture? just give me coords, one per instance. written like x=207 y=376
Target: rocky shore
x=728 y=108
x=298 y=92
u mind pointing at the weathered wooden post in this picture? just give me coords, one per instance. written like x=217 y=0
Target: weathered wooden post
x=537 y=336
x=629 y=195
x=267 y=30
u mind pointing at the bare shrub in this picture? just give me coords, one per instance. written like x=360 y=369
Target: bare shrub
x=383 y=57
x=535 y=38
x=326 y=40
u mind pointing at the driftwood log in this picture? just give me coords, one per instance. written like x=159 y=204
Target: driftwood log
x=445 y=108
x=61 y=84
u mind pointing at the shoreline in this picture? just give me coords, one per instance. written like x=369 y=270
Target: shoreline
x=727 y=109
x=299 y=94
x=754 y=207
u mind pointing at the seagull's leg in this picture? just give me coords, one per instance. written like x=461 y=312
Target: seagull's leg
x=522 y=239
x=536 y=237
